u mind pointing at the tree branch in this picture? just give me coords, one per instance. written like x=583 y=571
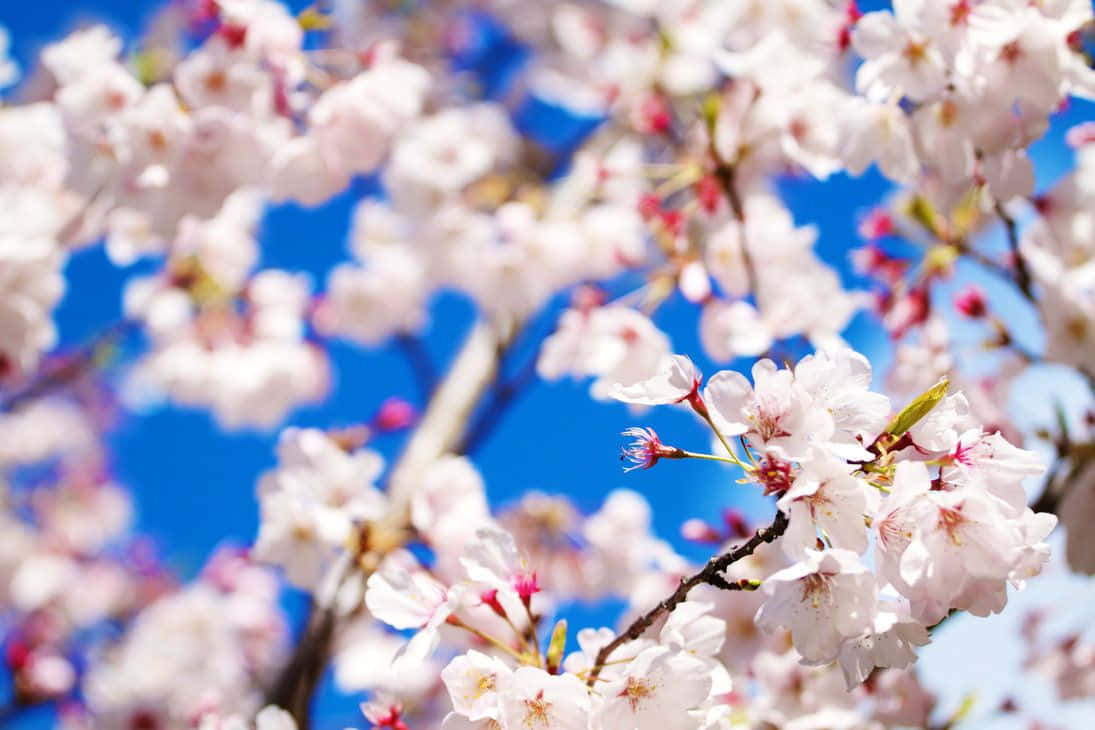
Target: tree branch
x=1022 y=273
x=440 y=430
x=710 y=575
x=727 y=177
x=500 y=400
x=295 y=686
x=445 y=419
x=67 y=370
x=422 y=366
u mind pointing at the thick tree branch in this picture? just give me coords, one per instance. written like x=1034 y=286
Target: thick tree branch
x=499 y=401
x=445 y=420
x=441 y=429
x=298 y=680
x=711 y=574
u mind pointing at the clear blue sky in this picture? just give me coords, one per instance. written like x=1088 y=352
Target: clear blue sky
x=194 y=485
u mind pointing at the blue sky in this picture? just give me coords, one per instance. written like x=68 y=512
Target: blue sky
x=194 y=485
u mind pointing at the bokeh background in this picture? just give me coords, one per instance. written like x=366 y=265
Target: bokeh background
x=193 y=484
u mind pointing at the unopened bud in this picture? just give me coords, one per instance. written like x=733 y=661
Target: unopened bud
x=394 y=414
x=971 y=302
x=736 y=522
x=490 y=598
x=697 y=530
x=557 y=646
x=649 y=205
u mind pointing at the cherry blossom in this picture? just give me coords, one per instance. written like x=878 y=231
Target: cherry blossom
x=535 y=699
x=676 y=381
x=825 y=599
x=533 y=193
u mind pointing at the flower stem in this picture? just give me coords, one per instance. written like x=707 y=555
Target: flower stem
x=497 y=643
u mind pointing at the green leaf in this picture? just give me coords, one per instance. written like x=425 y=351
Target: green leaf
x=920 y=407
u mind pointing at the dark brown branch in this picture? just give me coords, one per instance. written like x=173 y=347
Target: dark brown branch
x=67 y=369
x=1022 y=273
x=710 y=575
x=727 y=177
x=421 y=365
x=501 y=398
x=295 y=686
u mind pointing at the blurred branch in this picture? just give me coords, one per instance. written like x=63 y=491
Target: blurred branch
x=422 y=366
x=440 y=430
x=1022 y=273
x=710 y=575
x=296 y=685
x=443 y=424
x=501 y=397
x=69 y=368
x=987 y=262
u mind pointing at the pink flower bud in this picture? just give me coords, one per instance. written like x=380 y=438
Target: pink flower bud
x=653 y=115
x=971 y=302
x=736 y=522
x=697 y=530
x=1080 y=135
x=649 y=205
x=709 y=193
x=394 y=414
x=673 y=220
x=490 y=598
x=877 y=224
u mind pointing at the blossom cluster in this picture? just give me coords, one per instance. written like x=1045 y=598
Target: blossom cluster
x=568 y=172
x=941 y=500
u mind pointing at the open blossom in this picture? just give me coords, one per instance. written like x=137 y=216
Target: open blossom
x=311 y=502
x=449 y=506
x=655 y=690
x=493 y=559
x=613 y=344
x=774 y=413
x=890 y=641
x=901 y=52
x=935 y=545
x=537 y=700
x=677 y=380
x=350 y=129
x=824 y=599
x=840 y=382
x=405 y=596
x=825 y=497
x=474 y=681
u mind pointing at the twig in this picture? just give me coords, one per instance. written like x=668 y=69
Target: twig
x=1022 y=273
x=727 y=177
x=710 y=575
x=501 y=398
x=987 y=262
x=422 y=366
x=73 y=366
